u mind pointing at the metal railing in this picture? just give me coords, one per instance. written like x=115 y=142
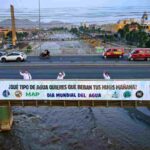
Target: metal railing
x=76 y=103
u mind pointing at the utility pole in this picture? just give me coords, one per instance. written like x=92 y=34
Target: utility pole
x=14 y=37
x=40 y=24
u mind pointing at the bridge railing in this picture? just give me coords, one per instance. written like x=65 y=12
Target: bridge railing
x=75 y=103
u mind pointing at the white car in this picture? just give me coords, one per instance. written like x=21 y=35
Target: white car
x=13 y=56
x=2 y=53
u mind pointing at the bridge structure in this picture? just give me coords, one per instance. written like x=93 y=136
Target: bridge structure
x=70 y=93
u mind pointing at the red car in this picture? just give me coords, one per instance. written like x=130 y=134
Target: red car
x=113 y=53
x=140 y=54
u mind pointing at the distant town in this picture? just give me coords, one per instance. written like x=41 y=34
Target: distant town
x=26 y=35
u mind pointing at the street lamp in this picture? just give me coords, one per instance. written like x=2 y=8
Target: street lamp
x=40 y=23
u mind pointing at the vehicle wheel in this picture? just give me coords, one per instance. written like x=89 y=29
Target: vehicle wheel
x=120 y=56
x=131 y=59
x=3 y=59
x=148 y=59
x=18 y=59
x=105 y=56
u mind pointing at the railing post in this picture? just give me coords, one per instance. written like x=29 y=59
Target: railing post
x=107 y=104
x=135 y=103
x=121 y=104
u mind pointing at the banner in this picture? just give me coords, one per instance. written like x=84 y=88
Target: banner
x=74 y=90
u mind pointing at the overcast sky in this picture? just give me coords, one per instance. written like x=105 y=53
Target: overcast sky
x=71 y=3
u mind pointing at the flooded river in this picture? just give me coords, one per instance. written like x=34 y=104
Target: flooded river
x=74 y=128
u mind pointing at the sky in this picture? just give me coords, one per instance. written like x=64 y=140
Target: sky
x=71 y=3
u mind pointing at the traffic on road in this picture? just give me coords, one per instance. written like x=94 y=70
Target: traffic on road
x=111 y=53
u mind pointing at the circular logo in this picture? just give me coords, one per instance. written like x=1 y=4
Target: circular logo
x=115 y=95
x=6 y=93
x=18 y=94
x=127 y=94
x=139 y=94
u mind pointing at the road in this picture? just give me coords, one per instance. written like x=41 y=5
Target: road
x=78 y=126
x=76 y=67
x=78 y=59
x=78 y=71
x=82 y=59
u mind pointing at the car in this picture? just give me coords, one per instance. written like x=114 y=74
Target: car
x=13 y=56
x=10 y=46
x=113 y=53
x=140 y=54
x=2 y=53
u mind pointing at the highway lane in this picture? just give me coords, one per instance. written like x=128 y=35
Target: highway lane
x=82 y=59
x=77 y=58
x=87 y=60
x=78 y=72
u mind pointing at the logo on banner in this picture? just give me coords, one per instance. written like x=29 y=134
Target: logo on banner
x=6 y=93
x=18 y=94
x=127 y=94
x=32 y=94
x=139 y=94
x=115 y=94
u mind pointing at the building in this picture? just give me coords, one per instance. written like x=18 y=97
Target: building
x=121 y=23
x=84 y=24
x=4 y=31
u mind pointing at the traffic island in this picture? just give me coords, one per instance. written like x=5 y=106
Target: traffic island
x=6 y=118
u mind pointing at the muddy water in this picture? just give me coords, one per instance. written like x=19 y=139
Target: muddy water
x=47 y=128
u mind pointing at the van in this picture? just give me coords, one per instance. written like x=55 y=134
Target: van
x=113 y=53
x=140 y=54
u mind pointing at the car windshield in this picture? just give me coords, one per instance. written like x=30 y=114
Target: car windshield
x=107 y=50
x=133 y=51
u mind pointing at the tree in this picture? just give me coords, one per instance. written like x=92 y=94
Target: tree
x=29 y=47
x=21 y=35
x=143 y=37
x=147 y=44
x=9 y=34
x=74 y=30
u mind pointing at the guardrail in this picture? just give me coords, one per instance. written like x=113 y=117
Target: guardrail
x=76 y=103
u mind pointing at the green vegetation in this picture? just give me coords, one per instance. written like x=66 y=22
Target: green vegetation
x=94 y=33
x=20 y=35
x=29 y=49
x=134 y=34
x=59 y=29
x=74 y=31
x=131 y=34
x=85 y=30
